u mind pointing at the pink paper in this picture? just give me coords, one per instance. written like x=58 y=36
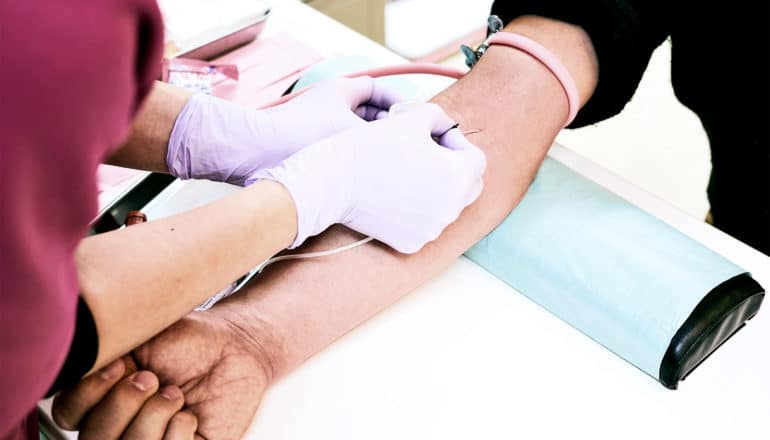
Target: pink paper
x=266 y=68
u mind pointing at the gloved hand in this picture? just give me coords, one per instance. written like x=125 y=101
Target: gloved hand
x=217 y=140
x=388 y=179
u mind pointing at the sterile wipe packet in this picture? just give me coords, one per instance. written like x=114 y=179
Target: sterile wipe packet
x=196 y=75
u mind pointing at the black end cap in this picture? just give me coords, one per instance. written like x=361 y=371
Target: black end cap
x=719 y=315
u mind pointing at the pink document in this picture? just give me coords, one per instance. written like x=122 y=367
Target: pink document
x=266 y=67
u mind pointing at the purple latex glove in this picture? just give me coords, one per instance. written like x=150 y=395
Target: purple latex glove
x=388 y=179
x=218 y=140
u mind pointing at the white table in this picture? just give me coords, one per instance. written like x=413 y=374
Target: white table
x=467 y=357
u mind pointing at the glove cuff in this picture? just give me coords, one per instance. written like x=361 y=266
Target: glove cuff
x=178 y=157
x=306 y=227
x=317 y=186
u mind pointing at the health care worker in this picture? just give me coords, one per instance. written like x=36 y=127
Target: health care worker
x=72 y=92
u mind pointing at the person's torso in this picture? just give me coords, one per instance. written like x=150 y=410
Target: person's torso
x=73 y=75
x=720 y=59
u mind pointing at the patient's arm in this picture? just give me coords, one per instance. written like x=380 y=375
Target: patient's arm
x=295 y=310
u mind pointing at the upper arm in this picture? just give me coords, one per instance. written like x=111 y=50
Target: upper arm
x=624 y=34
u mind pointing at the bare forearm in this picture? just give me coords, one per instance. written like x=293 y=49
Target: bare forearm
x=296 y=310
x=147 y=143
x=135 y=291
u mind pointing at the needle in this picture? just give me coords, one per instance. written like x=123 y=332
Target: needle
x=462 y=132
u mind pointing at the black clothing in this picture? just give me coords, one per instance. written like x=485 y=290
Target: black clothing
x=719 y=69
x=82 y=352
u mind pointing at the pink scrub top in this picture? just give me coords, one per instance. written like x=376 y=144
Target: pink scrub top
x=72 y=75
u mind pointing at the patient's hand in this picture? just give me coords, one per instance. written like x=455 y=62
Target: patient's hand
x=222 y=373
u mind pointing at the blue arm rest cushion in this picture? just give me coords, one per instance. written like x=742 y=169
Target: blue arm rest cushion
x=621 y=276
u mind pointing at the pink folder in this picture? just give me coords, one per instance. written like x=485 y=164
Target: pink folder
x=267 y=67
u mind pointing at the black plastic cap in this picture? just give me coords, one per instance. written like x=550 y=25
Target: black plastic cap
x=719 y=315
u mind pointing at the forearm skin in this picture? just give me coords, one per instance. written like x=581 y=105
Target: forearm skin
x=294 y=310
x=147 y=142
x=139 y=280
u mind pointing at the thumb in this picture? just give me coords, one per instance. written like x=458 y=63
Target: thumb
x=433 y=117
x=454 y=139
x=354 y=91
x=384 y=96
x=366 y=91
x=472 y=156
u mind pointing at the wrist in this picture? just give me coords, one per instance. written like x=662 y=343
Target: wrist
x=272 y=204
x=315 y=185
x=253 y=335
x=146 y=146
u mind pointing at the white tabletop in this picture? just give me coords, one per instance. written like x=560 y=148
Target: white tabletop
x=465 y=356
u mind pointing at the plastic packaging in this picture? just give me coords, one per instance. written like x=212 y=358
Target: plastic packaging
x=196 y=75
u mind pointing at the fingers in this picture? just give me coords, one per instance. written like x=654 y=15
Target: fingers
x=117 y=402
x=155 y=415
x=472 y=157
x=455 y=140
x=116 y=411
x=365 y=91
x=181 y=427
x=381 y=115
x=358 y=91
x=370 y=113
x=384 y=96
x=70 y=406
